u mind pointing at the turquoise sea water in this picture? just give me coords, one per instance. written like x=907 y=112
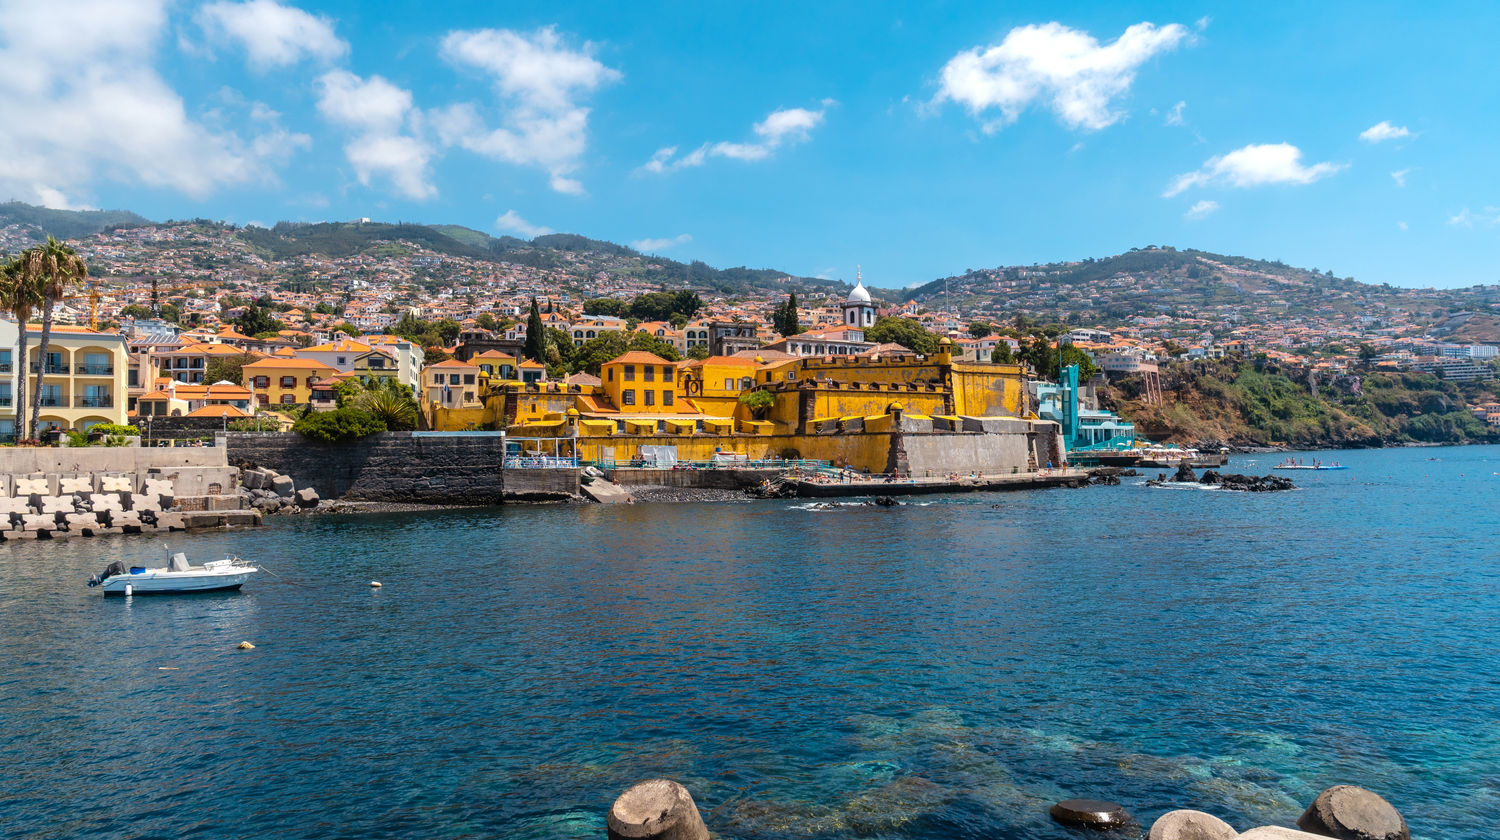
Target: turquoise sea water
x=944 y=669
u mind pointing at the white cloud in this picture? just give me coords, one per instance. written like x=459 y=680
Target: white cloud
x=1174 y=116
x=55 y=199
x=1050 y=64
x=1382 y=131
x=1201 y=209
x=1401 y=225
x=1468 y=219
x=513 y=223
x=1399 y=176
x=272 y=35
x=383 y=122
x=539 y=82
x=653 y=245
x=1254 y=166
x=83 y=74
x=782 y=127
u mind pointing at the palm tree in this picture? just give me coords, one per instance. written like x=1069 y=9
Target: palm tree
x=20 y=297
x=390 y=402
x=56 y=270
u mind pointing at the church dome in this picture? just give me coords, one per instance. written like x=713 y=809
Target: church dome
x=858 y=293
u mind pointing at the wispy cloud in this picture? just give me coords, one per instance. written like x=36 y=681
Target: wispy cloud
x=1399 y=176
x=1254 y=166
x=1382 y=131
x=1201 y=209
x=1467 y=218
x=1174 y=116
x=780 y=128
x=653 y=245
x=1049 y=64
x=512 y=222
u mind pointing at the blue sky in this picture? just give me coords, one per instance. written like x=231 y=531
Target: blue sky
x=917 y=141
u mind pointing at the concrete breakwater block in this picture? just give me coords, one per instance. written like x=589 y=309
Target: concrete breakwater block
x=1191 y=825
x=1091 y=813
x=1353 y=813
x=1276 y=832
x=658 y=809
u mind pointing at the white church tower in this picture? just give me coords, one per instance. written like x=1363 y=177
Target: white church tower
x=858 y=310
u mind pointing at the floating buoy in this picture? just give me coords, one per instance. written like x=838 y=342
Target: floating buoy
x=245 y=646
x=375 y=584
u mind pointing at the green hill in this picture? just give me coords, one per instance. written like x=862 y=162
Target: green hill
x=67 y=224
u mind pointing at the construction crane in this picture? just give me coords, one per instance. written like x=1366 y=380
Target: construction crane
x=93 y=287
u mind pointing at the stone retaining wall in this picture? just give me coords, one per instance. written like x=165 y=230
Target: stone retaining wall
x=387 y=467
x=716 y=479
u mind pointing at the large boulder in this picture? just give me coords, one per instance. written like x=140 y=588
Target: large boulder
x=252 y=479
x=306 y=498
x=658 y=809
x=1276 y=832
x=282 y=485
x=1191 y=825
x=1353 y=813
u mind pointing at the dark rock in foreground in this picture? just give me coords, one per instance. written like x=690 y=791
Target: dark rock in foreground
x=1091 y=813
x=1353 y=813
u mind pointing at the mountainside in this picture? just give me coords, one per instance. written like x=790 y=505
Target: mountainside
x=567 y=253
x=1186 y=284
x=1246 y=404
x=65 y=224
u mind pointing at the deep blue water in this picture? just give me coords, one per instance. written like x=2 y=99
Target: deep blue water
x=945 y=669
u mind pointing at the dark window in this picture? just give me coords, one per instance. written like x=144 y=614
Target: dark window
x=262 y=381
x=666 y=373
x=288 y=381
x=650 y=397
x=452 y=379
x=630 y=373
x=288 y=399
x=666 y=397
x=627 y=397
x=650 y=371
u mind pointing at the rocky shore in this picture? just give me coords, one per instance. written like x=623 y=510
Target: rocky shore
x=662 y=809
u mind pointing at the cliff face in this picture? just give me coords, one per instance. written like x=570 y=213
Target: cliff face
x=1239 y=404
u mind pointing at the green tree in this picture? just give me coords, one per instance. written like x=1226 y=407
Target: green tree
x=55 y=270
x=980 y=329
x=341 y=424
x=20 y=296
x=486 y=321
x=1002 y=354
x=784 y=317
x=389 y=402
x=228 y=369
x=759 y=403
x=697 y=351
x=256 y=320
x=610 y=307
x=905 y=332
x=536 y=335
x=348 y=329
x=596 y=351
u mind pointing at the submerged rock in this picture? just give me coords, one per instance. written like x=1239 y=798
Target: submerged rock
x=1191 y=825
x=1353 y=813
x=658 y=809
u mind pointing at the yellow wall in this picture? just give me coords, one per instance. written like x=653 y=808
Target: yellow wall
x=274 y=369
x=662 y=384
x=988 y=390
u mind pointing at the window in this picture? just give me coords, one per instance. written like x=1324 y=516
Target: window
x=666 y=397
x=453 y=379
x=650 y=397
x=729 y=384
x=627 y=397
x=5 y=361
x=262 y=381
x=288 y=399
x=343 y=360
x=746 y=382
x=288 y=381
x=650 y=371
x=609 y=374
x=5 y=395
x=666 y=373
x=630 y=373
x=468 y=379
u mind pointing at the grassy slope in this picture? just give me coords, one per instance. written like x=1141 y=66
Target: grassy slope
x=1234 y=403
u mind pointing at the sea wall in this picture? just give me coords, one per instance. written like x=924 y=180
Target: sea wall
x=715 y=479
x=458 y=469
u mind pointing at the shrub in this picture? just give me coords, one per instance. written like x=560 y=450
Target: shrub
x=254 y=424
x=115 y=429
x=338 y=425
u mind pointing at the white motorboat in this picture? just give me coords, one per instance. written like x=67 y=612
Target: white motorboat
x=178 y=576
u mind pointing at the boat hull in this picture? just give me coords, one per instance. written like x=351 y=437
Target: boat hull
x=171 y=583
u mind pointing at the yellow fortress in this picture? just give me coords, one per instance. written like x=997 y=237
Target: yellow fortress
x=868 y=413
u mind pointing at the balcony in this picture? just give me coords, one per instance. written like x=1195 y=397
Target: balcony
x=95 y=402
x=94 y=370
x=51 y=369
x=53 y=401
